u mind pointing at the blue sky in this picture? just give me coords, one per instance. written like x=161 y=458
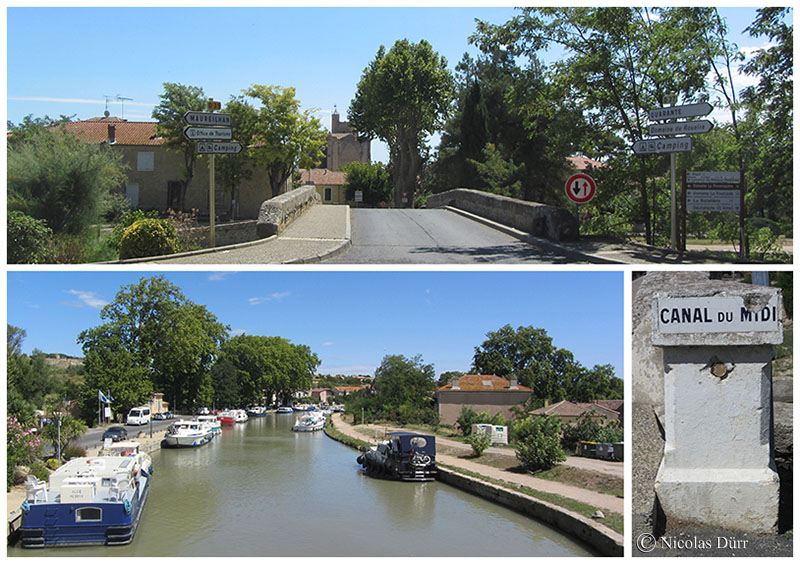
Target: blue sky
x=350 y=319
x=81 y=55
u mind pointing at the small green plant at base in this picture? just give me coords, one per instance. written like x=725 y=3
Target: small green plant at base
x=51 y=463
x=147 y=238
x=39 y=470
x=27 y=239
x=479 y=442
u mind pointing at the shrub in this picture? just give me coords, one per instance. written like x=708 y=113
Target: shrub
x=587 y=428
x=126 y=221
x=479 y=442
x=73 y=451
x=52 y=463
x=465 y=421
x=612 y=433
x=147 y=238
x=539 y=448
x=185 y=224
x=27 y=239
x=39 y=470
x=22 y=447
x=115 y=207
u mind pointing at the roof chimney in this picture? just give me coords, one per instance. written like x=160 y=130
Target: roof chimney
x=513 y=385
x=112 y=134
x=455 y=384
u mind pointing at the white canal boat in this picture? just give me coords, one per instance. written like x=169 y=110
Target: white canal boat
x=188 y=434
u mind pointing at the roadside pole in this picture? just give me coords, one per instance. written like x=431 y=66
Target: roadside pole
x=673 y=200
x=211 y=202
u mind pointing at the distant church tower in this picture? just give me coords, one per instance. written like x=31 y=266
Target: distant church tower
x=343 y=145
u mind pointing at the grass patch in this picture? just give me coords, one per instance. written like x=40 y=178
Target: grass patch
x=614 y=521
x=337 y=435
x=586 y=479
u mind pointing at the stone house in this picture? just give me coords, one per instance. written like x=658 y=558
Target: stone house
x=329 y=184
x=604 y=411
x=480 y=393
x=154 y=173
x=344 y=146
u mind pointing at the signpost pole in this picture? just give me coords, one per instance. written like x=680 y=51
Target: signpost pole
x=683 y=211
x=742 y=238
x=211 y=203
x=673 y=223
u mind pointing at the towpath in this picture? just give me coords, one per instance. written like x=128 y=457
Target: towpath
x=599 y=500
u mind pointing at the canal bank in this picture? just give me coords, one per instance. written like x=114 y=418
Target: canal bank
x=457 y=473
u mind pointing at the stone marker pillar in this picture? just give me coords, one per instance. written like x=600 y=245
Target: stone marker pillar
x=717 y=467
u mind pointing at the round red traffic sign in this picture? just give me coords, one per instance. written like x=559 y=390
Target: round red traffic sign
x=580 y=188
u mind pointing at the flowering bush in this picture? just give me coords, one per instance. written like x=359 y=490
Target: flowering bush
x=22 y=447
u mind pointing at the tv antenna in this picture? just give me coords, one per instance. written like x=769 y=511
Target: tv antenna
x=122 y=100
x=108 y=98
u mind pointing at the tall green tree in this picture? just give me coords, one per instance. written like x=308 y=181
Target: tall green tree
x=232 y=170
x=262 y=366
x=619 y=62
x=284 y=137
x=769 y=123
x=54 y=176
x=403 y=96
x=404 y=389
x=157 y=340
x=175 y=101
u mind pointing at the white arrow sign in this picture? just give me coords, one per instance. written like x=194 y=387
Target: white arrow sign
x=675 y=112
x=214 y=148
x=672 y=145
x=208 y=133
x=207 y=118
x=681 y=127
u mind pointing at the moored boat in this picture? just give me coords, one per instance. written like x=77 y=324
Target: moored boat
x=285 y=409
x=310 y=421
x=212 y=421
x=188 y=434
x=257 y=411
x=404 y=455
x=87 y=501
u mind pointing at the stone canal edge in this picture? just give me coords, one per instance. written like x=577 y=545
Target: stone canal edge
x=603 y=539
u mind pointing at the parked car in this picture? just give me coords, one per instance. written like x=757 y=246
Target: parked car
x=158 y=417
x=168 y=415
x=115 y=434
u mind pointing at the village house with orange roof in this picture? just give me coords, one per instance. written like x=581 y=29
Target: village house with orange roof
x=480 y=393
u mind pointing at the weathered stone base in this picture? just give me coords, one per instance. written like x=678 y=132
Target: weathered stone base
x=738 y=499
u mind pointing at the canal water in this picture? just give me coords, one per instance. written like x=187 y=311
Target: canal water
x=260 y=489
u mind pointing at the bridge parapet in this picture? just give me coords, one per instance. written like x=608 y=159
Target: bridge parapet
x=540 y=220
x=277 y=213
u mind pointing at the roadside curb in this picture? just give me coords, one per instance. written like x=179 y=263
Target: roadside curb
x=530 y=239
x=194 y=253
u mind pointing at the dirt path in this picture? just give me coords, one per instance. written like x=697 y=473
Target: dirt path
x=602 y=501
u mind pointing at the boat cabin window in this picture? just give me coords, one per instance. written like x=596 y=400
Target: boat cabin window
x=418 y=442
x=84 y=514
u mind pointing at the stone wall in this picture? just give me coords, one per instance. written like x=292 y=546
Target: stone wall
x=449 y=402
x=277 y=213
x=540 y=220
x=226 y=233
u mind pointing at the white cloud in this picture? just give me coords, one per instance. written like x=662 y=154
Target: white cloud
x=277 y=296
x=218 y=276
x=89 y=299
x=77 y=101
x=236 y=332
x=328 y=344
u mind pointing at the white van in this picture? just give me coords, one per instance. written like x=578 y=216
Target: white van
x=138 y=416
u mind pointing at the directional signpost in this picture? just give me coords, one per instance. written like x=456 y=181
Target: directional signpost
x=211 y=129
x=215 y=148
x=673 y=144
x=208 y=133
x=670 y=145
x=681 y=127
x=677 y=112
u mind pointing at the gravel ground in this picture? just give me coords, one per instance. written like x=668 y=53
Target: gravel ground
x=680 y=540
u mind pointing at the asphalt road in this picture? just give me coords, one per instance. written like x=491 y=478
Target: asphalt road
x=94 y=436
x=433 y=236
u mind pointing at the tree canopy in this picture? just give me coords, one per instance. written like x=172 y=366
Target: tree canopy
x=176 y=100
x=154 y=339
x=402 y=97
x=284 y=138
x=252 y=367
x=528 y=354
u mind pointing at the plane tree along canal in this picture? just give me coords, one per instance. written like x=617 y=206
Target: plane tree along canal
x=260 y=489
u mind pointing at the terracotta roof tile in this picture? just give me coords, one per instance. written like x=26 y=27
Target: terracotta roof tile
x=583 y=163
x=568 y=408
x=95 y=130
x=478 y=382
x=323 y=177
